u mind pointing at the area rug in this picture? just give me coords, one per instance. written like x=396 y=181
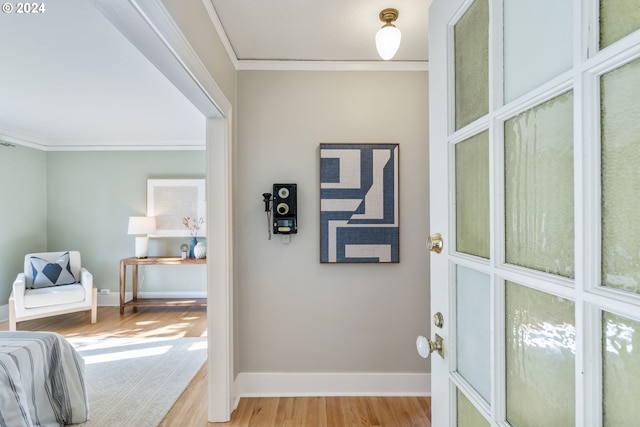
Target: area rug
x=135 y=381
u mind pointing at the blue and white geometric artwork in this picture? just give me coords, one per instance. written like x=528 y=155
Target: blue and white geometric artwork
x=359 y=203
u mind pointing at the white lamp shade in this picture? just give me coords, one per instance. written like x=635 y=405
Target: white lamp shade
x=142 y=225
x=388 y=41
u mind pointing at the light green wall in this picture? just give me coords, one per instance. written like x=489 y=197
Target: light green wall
x=23 y=210
x=82 y=200
x=92 y=194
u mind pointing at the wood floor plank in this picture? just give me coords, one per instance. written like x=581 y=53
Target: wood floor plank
x=190 y=410
x=284 y=415
x=264 y=413
x=335 y=416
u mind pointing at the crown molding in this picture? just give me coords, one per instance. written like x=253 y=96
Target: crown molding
x=275 y=65
x=126 y=146
x=22 y=139
x=89 y=144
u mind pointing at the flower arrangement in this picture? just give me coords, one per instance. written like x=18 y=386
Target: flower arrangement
x=193 y=224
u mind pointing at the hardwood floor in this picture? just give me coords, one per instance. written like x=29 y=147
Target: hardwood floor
x=190 y=410
x=331 y=412
x=147 y=322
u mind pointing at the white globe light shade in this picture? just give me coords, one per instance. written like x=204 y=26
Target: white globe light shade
x=388 y=41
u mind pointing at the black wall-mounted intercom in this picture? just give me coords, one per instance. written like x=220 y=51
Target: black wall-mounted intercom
x=283 y=207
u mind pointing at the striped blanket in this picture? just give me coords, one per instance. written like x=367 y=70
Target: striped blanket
x=41 y=381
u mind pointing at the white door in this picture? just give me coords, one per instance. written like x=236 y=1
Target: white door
x=535 y=189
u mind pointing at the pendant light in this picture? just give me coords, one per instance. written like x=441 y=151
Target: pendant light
x=388 y=37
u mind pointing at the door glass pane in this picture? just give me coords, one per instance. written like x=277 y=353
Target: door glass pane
x=620 y=91
x=468 y=415
x=471 y=47
x=620 y=371
x=473 y=329
x=538 y=151
x=531 y=61
x=540 y=358
x=618 y=18
x=472 y=195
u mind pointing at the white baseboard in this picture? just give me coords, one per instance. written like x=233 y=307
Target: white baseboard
x=108 y=300
x=169 y=295
x=113 y=298
x=281 y=384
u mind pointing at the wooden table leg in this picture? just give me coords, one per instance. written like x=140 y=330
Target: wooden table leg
x=123 y=272
x=134 y=281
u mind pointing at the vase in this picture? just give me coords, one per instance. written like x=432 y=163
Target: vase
x=192 y=244
x=200 y=250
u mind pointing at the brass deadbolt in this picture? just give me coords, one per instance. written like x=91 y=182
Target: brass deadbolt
x=435 y=243
x=438 y=320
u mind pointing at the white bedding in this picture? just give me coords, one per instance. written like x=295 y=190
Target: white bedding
x=41 y=381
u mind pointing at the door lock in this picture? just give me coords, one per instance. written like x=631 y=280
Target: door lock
x=425 y=346
x=435 y=243
x=438 y=320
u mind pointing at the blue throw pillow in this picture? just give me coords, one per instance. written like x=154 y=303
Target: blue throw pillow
x=46 y=274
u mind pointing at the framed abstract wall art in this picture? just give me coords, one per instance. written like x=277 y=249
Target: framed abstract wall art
x=170 y=200
x=359 y=192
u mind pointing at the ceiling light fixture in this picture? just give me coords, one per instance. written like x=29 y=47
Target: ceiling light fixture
x=388 y=37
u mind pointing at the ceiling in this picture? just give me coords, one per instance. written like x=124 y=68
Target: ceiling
x=320 y=30
x=70 y=80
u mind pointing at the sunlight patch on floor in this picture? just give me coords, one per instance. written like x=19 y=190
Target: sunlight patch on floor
x=147 y=322
x=201 y=345
x=128 y=354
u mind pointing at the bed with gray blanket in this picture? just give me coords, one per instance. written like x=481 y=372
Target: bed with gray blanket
x=41 y=381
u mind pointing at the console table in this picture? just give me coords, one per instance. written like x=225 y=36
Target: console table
x=155 y=302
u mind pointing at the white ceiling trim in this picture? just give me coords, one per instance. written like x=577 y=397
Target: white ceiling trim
x=262 y=65
x=293 y=65
x=20 y=139
x=123 y=146
x=44 y=144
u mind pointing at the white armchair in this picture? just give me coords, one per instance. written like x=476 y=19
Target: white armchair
x=52 y=283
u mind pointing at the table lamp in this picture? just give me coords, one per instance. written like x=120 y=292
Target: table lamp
x=142 y=226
